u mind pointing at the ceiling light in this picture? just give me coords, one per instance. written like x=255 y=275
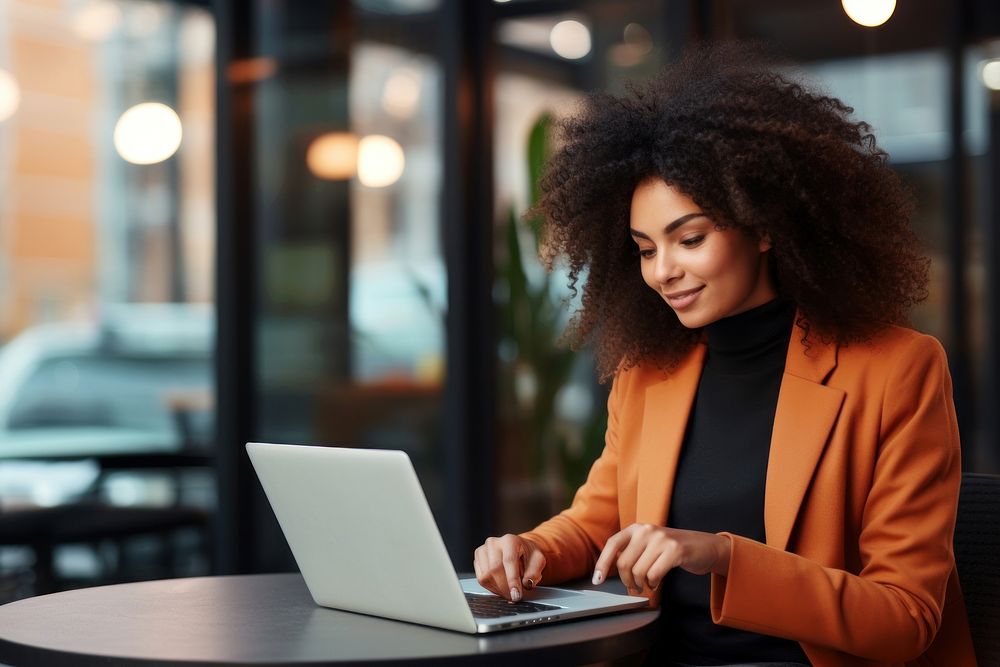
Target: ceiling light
x=570 y=39
x=869 y=13
x=991 y=74
x=148 y=133
x=380 y=161
x=333 y=156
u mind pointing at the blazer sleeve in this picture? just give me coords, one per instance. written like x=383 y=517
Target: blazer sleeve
x=572 y=540
x=890 y=610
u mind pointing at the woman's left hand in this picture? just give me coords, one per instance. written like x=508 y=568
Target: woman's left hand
x=643 y=554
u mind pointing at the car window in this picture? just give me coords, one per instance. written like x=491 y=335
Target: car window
x=114 y=391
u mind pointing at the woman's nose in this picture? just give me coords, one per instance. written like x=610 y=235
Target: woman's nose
x=667 y=270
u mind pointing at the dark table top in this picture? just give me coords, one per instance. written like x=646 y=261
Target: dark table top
x=272 y=620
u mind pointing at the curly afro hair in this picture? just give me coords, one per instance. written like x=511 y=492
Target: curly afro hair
x=756 y=151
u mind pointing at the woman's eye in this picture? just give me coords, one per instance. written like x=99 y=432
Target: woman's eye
x=692 y=241
x=646 y=253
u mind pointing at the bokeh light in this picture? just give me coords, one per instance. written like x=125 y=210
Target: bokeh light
x=380 y=161
x=570 y=39
x=148 y=133
x=869 y=13
x=333 y=156
x=991 y=74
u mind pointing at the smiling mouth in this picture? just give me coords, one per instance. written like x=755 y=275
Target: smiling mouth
x=683 y=299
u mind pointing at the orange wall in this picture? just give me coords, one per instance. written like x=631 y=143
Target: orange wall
x=49 y=245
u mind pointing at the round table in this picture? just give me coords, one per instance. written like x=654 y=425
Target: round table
x=272 y=620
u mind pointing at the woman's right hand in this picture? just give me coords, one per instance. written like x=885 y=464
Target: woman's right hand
x=509 y=565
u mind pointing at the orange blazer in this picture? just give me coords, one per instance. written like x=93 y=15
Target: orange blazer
x=859 y=502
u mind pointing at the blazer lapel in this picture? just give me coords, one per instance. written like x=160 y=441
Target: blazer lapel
x=664 y=421
x=806 y=413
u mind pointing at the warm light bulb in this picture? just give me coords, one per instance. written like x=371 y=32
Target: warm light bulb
x=570 y=39
x=333 y=156
x=148 y=133
x=380 y=161
x=10 y=95
x=869 y=13
x=990 y=74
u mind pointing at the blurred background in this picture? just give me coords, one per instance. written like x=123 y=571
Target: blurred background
x=298 y=221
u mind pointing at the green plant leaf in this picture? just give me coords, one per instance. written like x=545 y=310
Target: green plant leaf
x=539 y=148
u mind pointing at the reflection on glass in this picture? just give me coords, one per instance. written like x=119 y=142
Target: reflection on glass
x=350 y=323
x=397 y=273
x=636 y=46
x=106 y=266
x=397 y=276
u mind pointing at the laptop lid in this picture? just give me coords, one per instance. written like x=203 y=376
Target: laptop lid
x=364 y=538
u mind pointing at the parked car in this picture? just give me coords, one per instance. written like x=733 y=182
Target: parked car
x=78 y=390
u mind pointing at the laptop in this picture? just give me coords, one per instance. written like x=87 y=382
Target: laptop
x=363 y=536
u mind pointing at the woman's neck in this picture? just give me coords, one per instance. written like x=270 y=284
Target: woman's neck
x=752 y=341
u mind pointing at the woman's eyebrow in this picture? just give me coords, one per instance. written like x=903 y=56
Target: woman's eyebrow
x=681 y=220
x=672 y=227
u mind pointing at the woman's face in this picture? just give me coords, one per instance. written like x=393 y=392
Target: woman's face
x=704 y=273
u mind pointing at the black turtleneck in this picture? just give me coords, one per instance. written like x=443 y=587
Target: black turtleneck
x=720 y=477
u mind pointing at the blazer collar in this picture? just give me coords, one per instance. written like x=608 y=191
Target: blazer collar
x=664 y=421
x=805 y=416
x=806 y=413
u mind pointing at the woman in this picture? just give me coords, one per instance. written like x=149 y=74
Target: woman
x=781 y=467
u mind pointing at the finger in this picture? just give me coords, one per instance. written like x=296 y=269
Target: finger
x=482 y=570
x=481 y=567
x=602 y=569
x=660 y=568
x=640 y=569
x=630 y=555
x=626 y=560
x=533 y=569
x=512 y=559
x=497 y=573
x=475 y=566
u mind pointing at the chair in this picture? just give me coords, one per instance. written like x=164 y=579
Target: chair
x=977 y=556
x=88 y=519
x=43 y=529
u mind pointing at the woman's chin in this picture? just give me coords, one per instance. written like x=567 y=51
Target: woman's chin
x=693 y=320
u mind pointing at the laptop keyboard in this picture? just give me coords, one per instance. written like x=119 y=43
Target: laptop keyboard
x=491 y=606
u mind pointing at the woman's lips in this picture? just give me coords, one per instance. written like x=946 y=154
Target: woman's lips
x=681 y=300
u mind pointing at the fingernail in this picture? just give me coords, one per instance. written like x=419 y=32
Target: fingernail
x=598 y=577
x=530 y=584
x=515 y=594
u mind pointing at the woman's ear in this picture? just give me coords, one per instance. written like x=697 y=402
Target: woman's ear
x=764 y=244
